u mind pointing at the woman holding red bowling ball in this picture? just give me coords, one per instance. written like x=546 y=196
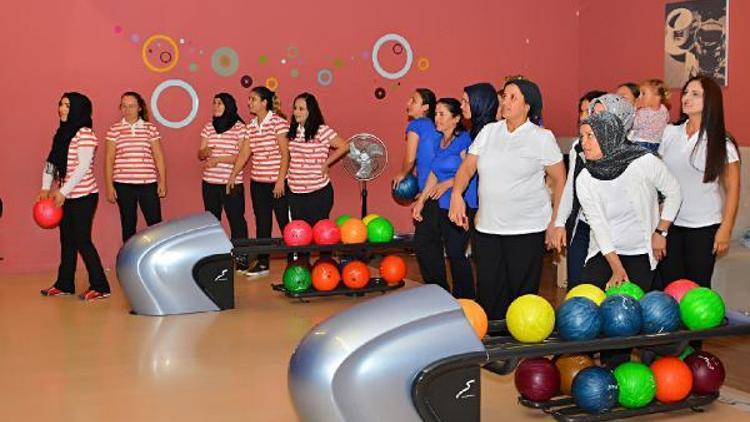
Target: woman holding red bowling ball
x=68 y=179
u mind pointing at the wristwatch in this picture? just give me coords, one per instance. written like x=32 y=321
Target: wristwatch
x=661 y=232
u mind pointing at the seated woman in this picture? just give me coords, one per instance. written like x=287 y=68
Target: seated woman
x=618 y=194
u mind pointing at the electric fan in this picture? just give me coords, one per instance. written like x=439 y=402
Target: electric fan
x=365 y=161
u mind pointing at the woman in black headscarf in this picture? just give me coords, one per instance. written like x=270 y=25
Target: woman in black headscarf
x=220 y=144
x=69 y=180
x=618 y=193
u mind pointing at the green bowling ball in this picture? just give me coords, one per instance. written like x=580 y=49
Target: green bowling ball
x=380 y=230
x=637 y=385
x=631 y=289
x=702 y=308
x=297 y=279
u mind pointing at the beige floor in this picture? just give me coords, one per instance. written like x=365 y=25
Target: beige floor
x=65 y=360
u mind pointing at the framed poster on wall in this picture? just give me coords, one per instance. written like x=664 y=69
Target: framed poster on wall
x=696 y=37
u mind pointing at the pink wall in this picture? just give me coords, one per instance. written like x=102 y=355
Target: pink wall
x=624 y=41
x=73 y=46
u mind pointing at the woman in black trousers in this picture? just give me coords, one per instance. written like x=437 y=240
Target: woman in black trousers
x=69 y=180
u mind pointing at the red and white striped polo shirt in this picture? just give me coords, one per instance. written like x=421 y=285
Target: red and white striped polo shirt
x=308 y=158
x=223 y=145
x=85 y=137
x=266 y=158
x=134 y=159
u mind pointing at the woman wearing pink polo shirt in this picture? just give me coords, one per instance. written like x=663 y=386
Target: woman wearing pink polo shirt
x=134 y=170
x=68 y=179
x=220 y=144
x=310 y=139
x=267 y=148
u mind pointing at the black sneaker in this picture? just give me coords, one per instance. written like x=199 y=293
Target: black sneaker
x=257 y=270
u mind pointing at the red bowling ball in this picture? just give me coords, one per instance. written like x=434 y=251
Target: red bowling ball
x=678 y=288
x=708 y=372
x=326 y=232
x=298 y=233
x=46 y=214
x=537 y=379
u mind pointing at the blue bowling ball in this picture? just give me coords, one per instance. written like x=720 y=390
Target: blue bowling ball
x=595 y=390
x=407 y=189
x=660 y=312
x=621 y=316
x=578 y=319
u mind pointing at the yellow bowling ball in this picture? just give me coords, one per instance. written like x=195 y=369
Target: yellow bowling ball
x=589 y=291
x=530 y=319
x=369 y=217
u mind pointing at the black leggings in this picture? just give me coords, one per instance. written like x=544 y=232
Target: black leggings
x=428 y=243
x=129 y=196
x=312 y=206
x=264 y=207
x=508 y=266
x=215 y=198
x=75 y=237
x=689 y=255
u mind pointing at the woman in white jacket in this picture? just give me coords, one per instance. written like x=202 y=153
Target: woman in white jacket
x=618 y=194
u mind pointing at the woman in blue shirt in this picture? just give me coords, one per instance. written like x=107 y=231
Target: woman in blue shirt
x=422 y=141
x=439 y=185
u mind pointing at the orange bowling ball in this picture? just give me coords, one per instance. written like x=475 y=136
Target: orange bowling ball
x=353 y=231
x=356 y=274
x=674 y=379
x=476 y=316
x=392 y=269
x=325 y=276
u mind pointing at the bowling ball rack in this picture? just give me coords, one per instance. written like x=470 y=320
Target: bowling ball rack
x=503 y=353
x=375 y=285
x=276 y=246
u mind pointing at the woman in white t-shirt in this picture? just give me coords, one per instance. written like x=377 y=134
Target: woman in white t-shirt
x=512 y=158
x=618 y=190
x=705 y=160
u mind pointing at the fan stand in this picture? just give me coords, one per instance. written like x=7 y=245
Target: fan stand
x=363 y=194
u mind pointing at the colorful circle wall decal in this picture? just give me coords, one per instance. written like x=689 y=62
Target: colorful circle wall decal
x=147 y=49
x=246 y=81
x=294 y=72
x=423 y=63
x=178 y=83
x=225 y=61
x=325 y=77
x=165 y=57
x=135 y=38
x=376 y=62
x=272 y=83
x=193 y=67
x=397 y=48
x=379 y=93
